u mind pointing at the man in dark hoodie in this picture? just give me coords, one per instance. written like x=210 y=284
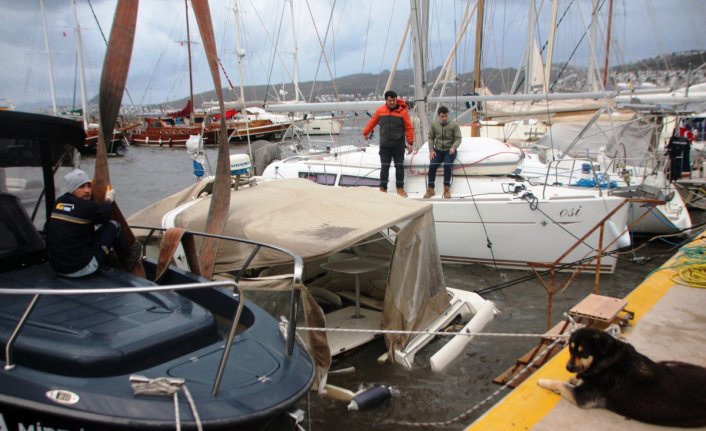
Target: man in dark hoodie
x=76 y=246
x=395 y=126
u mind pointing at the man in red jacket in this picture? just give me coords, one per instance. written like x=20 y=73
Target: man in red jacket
x=395 y=126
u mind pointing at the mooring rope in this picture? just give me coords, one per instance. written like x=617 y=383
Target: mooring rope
x=167 y=386
x=487 y=399
x=437 y=333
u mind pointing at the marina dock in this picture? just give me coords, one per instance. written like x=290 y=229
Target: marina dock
x=669 y=324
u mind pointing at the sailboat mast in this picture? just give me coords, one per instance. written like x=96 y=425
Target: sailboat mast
x=82 y=78
x=419 y=49
x=475 y=126
x=241 y=55
x=294 y=53
x=607 y=42
x=550 y=48
x=51 y=65
x=188 y=49
x=592 y=70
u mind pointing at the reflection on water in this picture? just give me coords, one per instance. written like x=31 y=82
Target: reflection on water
x=147 y=174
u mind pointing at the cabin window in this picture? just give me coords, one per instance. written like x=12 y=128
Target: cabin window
x=353 y=181
x=325 y=179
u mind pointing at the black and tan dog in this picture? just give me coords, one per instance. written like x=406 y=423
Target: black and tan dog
x=613 y=375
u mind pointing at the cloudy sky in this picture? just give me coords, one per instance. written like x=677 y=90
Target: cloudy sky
x=358 y=36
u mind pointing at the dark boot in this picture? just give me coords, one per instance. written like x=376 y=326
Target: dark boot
x=130 y=260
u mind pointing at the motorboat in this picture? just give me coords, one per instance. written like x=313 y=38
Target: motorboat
x=362 y=251
x=492 y=217
x=117 y=351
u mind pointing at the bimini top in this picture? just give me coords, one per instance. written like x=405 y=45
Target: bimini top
x=28 y=139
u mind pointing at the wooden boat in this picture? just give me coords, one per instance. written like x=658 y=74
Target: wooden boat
x=169 y=132
x=116 y=351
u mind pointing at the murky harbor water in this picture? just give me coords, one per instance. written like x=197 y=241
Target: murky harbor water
x=147 y=174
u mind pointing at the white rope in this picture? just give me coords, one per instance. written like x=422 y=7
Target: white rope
x=166 y=386
x=437 y=333
x=486 y=399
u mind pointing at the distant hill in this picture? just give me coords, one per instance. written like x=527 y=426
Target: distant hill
x=370 y=86
x=685 y=61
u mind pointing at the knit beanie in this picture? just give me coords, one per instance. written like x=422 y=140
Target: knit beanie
x=75 y=179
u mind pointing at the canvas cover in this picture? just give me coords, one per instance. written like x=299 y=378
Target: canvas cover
x=316 y=221
x=624 y=136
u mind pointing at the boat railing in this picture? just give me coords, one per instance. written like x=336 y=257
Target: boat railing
x=297 y=271
x=555 y=171
x=38 y=292
x=298 y=268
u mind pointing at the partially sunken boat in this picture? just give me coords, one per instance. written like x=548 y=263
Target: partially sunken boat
x=371 y=262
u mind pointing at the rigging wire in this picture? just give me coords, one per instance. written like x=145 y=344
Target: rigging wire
x=365 y=45
x=322 y=53
x=578 y=44
x=272 y=63
x=384 y=49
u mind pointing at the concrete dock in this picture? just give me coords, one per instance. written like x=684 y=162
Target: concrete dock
x=669 y=324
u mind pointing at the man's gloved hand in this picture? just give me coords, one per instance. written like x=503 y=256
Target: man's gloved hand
x=110 y=194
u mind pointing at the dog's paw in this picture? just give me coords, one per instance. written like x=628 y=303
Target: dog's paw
x=545 y=383
x=548 y=384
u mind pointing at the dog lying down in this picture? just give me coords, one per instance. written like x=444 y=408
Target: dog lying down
x=613 y=375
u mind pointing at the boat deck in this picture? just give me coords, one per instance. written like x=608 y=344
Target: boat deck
x=669 y=324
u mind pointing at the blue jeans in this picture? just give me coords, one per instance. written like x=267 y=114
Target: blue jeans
x=441 y=157
x=388 y=154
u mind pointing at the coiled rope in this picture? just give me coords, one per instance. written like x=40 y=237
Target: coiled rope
x=167 y=386
x=691 y=267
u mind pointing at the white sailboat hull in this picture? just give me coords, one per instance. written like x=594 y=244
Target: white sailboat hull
x=493 y=220
x=671 y=217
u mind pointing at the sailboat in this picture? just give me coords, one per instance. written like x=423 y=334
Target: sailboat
x=491 y=218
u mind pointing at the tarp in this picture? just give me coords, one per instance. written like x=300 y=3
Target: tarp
x=624 y=137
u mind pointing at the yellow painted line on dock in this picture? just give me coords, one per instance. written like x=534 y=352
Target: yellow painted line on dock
x=527 y=404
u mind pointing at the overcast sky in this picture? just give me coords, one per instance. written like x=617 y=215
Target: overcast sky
x=363 y=37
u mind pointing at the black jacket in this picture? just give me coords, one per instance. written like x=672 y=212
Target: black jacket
x=70 y=232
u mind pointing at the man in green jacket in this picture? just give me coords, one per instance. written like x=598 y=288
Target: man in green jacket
x=444 y=139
